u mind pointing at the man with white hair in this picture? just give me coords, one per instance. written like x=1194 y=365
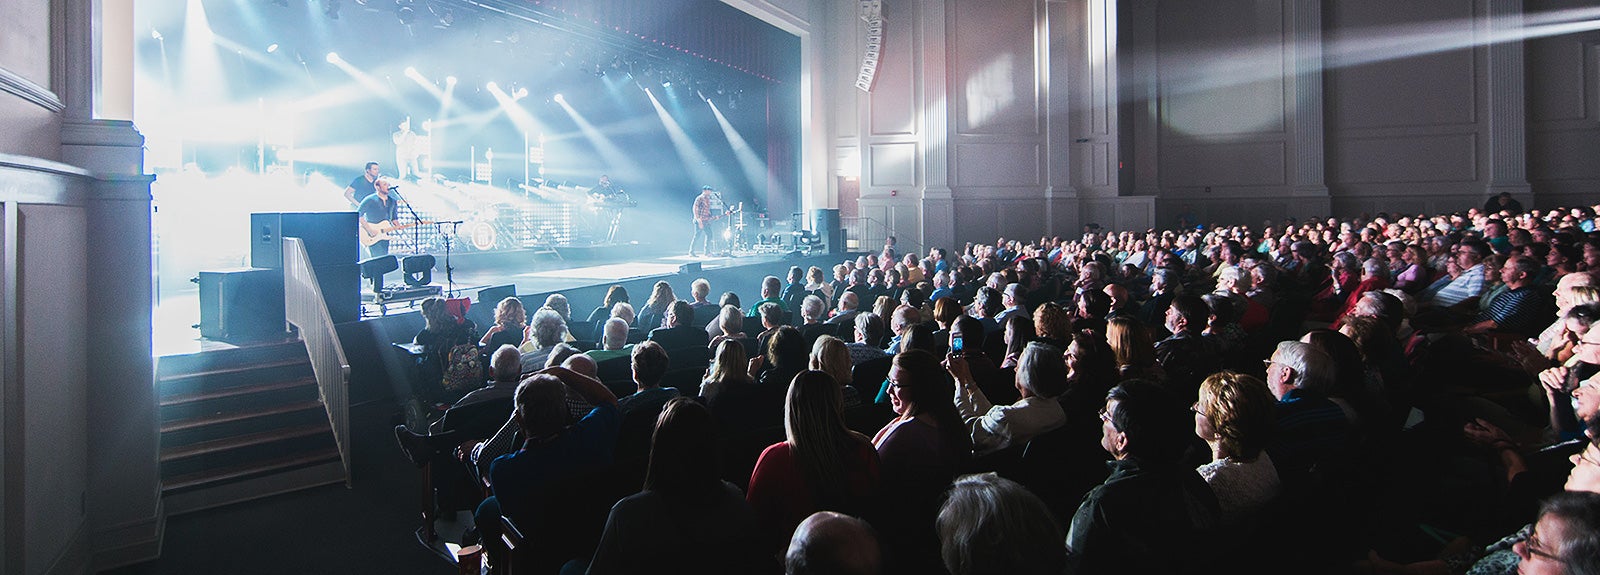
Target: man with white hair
x=1011 y=298
x=941 y=286
x=614 y=343
x=846 y=314
x=544 y=332
x=1163 y=287
x=1311 y=429
x=1557 y=332
x=812 y=310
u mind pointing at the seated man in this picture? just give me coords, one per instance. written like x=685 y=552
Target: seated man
x=640 y=410
x=811 y=313
x=1469 y=284
x=1187 y=356
x=771 y=319
x=1041 y=375
x=869 y=329
x=614 y=343
x=508 y=439
x=475 y=416
x=846 y=313
x=829 y=543
x=1521 y=309
x=1311 y=428
x=679 y=333
x=771 y=288
x=551 y=453
x=1153 y=514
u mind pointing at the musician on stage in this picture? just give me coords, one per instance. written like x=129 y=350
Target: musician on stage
x=406 y=149
x=609 y=201
x=361 y=185
x=702 y=221
x=378 y=213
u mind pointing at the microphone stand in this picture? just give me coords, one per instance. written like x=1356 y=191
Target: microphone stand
x=449 y=270
x=416 y=232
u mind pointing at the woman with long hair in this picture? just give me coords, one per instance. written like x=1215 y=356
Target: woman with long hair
x=829 y=355
x=821 y=464
x=615 y=295
x=785 y=356
x=1018 y=332
x=1134 y=352
x=510 y=325
x=921 y=449
x=730 y=367
x=684 y=505
x=655 y=309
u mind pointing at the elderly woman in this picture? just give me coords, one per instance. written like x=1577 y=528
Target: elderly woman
x=1041 y=374
x=1235 y=417
x=829 y=355
x=510 y=325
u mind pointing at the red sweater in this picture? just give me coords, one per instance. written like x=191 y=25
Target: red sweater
x=781 y=497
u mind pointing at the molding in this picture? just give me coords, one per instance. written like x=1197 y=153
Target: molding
x=101 y=133
x=12 y=494
x=26 y=89
x=32 y=164
x=132 y=542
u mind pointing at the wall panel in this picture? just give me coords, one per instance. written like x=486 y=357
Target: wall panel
x=1395 y=159
x=1003 y=164
x=993 y=76
x=894 y=94
x=1224 y=164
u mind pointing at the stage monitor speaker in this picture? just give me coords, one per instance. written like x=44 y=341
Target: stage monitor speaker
x=689 y=268
x=330 y=237
x=241 y=306
x=493 y=294
x=825 y=222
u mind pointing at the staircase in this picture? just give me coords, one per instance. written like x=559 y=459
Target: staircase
x=242 y=423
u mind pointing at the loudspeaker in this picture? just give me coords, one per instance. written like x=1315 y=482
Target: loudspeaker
x=330 y=237
x=826 y=223
x=493 y=294
x=240 y=306
x=341 y=290
x=689 y=268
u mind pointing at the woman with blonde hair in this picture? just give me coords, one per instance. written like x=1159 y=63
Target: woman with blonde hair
x=730 y=367
x=821 y=464
x=655 y=309
x=1235 y=416
x=829 y=355
x=817 y=284
x=510 y=325
x=1052 y=324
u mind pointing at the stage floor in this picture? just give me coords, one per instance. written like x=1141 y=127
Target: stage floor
x=177 y=314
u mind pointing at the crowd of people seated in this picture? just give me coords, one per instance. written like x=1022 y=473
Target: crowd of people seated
x=1382 y=394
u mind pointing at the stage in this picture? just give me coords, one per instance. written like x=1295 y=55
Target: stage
x=583 y=274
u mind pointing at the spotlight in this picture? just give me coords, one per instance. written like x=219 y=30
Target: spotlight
x=666 y=83
x=411 y=71
x=272 y=48
x=451 y=80
x=519 y=93
x=491 y=86
x=156 y=34
x=333 y=57
x=418 y=270
x=560 y=99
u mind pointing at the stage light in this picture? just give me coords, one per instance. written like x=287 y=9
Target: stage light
x=519 y=93
x=333 y=57
x=374 y=268
x=418 y=270
x=666 y=84
x=410 y=71
x=451 y=80
x=560 y=99
x=491 y=86
x=272 y=48
x=331 y=8
x=155 y=34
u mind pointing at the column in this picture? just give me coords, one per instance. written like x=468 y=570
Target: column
x=1508 y=168
x=938 y=204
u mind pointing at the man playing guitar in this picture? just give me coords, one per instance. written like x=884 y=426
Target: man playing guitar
x=702 y=221
x=378 y=212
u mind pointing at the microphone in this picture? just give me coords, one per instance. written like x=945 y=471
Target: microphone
x=393 y=187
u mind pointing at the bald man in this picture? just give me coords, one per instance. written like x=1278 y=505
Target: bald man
x=833 y=543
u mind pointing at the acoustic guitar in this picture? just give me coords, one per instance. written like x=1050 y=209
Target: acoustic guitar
x=384 y=228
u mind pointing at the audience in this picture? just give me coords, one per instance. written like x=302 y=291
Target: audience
x=1041 y=374
x=829 y=543
x=990 y=525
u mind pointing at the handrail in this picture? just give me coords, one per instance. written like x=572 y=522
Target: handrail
x=305 y=308
x=870 y=234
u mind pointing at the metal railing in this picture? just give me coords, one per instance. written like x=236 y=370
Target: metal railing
x=305 y=308
x=865 y=234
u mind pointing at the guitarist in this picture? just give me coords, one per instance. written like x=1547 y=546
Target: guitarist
x=702 y=221
x=378 y=212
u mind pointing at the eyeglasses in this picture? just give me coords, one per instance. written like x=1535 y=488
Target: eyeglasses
x=1105 y=415
x=893 y=383
x=1584 y=456
x=1267 y=363
x=1535 y=548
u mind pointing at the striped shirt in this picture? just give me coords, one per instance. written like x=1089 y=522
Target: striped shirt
x=1467 y=285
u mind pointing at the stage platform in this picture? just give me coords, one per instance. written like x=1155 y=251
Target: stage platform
x=583 y=274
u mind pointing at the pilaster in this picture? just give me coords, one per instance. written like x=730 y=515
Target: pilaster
x=938 y=204
x=1507 y=112
x=1305 y=54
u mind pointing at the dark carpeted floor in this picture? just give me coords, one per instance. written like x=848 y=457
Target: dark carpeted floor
x=367 y=528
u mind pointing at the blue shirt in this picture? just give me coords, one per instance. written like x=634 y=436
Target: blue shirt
x=584 y=446
x=374 y=209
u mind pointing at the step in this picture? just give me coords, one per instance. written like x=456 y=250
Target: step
x=309 y=415
x=260 y=480
x=221 y=418
x=226 y=392
x=222 y=378
x=211 y=476
x=169 y=365
x=255 y=398
x=241 y=441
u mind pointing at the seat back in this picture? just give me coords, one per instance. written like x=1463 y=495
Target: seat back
x=868 y=376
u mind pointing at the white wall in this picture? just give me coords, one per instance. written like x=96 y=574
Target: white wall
x=26 y=75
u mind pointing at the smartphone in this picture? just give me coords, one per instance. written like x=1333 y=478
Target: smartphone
x=956 y=347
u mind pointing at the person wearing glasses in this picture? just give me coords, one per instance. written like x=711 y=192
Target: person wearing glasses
x=1311 y=429
x=1153 y=514
x=1234 y=416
